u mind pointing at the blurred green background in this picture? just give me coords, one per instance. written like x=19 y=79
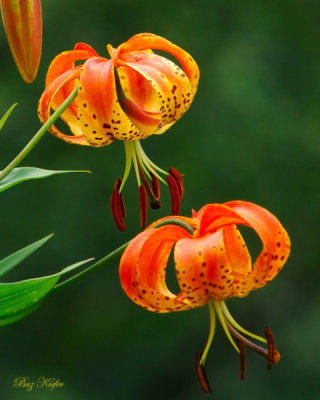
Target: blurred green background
x=252 y=133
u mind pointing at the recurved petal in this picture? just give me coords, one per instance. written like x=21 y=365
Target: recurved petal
x=128 y=269
x=146 y=121
x=203 y=269
x=69 y=115
x=143 y=266
x=239 y=259
x=274 y=238
x=145 y=41
x=215 y=216
x=171 y=94
x=101 y=116
x=237 y=251
x=64 y=62
x=23 y=25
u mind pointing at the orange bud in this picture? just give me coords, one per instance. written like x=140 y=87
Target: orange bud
x=22 y=21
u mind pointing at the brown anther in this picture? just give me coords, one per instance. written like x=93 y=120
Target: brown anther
x=273 y=355
x=175 y=195
x=243 y=363
x=143 y=206
x=117 y=206
x=201 y=374
x=122 y=206
x=178 y=177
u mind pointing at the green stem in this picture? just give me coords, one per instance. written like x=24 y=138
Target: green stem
x=26 y=150
x=175 y=221
x=111 y=256
x=94 y=267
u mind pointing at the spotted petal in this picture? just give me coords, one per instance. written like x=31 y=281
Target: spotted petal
x=143 y=265
x=275 y=240
x=61 y=64
x=101 y=116
x=145 y=41
x=45 y=106
x=171 y=94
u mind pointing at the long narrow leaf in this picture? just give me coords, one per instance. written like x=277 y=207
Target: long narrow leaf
x=19 y=299
x=16 y=258
x=21 y=174
x=6 y=115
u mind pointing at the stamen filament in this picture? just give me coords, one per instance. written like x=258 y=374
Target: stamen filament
x=155 y=203
x=141 y=162
x=153 y=167
x=258 y=349
x=234 y=323
x=135 y=163
x=225 y=325
x=127 y=147
x=211 y=332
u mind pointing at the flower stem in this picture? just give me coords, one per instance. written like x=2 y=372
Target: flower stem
x=26 y=150
x=92 y=268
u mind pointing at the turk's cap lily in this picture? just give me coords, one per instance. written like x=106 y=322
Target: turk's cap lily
x=130 y=96
x=212 y=264
x=22 y=21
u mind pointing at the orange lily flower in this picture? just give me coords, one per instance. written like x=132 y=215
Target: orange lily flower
x=22 y=21
x=212 y=264
x=134 y=94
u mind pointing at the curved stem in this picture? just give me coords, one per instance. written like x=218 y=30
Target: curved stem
x=94 y=267
x=176 y=221
x=26 y=150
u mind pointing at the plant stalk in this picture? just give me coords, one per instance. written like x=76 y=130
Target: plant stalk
x=26 y=150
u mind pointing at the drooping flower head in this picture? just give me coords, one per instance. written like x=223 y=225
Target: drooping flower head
x=22 y=20
x=212 y=264
x=132 y=95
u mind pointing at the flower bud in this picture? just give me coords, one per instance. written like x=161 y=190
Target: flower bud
x=22 y=21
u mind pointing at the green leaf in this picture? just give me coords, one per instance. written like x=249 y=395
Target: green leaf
x=21 y=174
x=16 y=258
x=6 y=115
x=19 y=299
